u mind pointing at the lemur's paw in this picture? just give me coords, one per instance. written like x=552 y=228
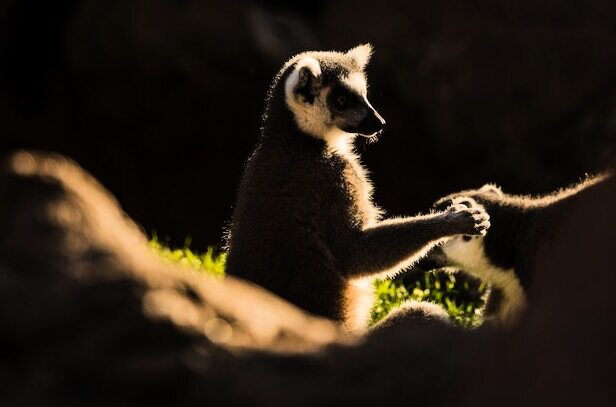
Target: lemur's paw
x=469 y=217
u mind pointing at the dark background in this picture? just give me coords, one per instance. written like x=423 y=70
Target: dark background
x=161 y=100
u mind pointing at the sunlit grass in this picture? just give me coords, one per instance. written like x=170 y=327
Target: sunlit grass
x=211 y=261
x=459 y=295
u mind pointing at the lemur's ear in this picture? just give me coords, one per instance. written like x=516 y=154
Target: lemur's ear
x=308 y=78
x=361 y=54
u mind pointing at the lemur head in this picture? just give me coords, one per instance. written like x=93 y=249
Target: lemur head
x=326 y=93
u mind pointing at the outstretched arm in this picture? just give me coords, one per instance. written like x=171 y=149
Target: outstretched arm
x=396 y=243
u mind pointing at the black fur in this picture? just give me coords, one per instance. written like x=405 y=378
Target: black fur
x=306 y=86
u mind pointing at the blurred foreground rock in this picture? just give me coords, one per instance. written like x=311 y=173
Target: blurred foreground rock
x=85 y=304
x=90 y=317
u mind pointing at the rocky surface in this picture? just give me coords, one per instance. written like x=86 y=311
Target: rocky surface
x=87 y=308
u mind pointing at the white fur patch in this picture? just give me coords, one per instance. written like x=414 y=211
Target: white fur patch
x=356 y=81
x=339 y=141
x=314 y=119
x=310 y=63
x=470 y=256
x=361 y=54
x=359 y=299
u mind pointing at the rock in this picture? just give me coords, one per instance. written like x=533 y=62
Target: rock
x=85 y=303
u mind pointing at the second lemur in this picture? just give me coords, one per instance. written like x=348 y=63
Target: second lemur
x=304 y=224
x=504 y=257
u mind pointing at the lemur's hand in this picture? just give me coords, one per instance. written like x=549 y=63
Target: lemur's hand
x=468 y=217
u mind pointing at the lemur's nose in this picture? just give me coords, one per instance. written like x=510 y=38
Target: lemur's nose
x=372 y=123
x=378 y=120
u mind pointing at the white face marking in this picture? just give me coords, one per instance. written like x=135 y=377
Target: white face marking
x=315 y=119
x=470 y=256
x=310 y=63
x=356 y=81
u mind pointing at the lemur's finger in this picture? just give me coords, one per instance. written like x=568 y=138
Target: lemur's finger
x=485 y=225
x=466 y=201
x=477 y=211
x=457 y=208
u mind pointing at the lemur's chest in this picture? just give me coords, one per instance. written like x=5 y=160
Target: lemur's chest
x=358 y=190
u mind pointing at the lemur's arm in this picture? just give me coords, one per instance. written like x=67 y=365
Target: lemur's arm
x=434 y=259
x=396 y=243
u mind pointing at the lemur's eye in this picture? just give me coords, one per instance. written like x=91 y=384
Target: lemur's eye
x=341 y=101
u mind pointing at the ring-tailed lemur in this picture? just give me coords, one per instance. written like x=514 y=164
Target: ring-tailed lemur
x=304 y=225
x=504 y=256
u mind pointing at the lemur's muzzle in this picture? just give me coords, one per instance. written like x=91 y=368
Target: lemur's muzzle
x=371 y=124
